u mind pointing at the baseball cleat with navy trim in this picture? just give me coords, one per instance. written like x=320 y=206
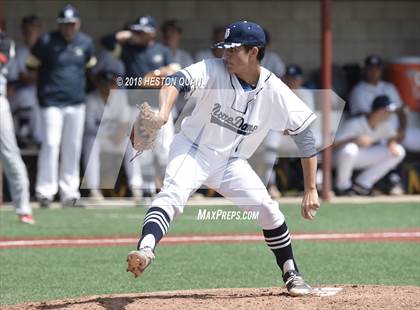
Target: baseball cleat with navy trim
x=295 y=284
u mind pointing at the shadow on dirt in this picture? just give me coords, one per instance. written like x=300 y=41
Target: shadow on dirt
x=116 y=303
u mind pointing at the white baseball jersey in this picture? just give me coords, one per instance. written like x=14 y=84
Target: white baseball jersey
x=357 y=126
x=284 y=145
x=363 y=94
x=232 y=121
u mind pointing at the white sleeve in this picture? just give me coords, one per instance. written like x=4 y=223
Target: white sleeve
x=346 y=131
x=296 y=115
x=197 y=76
x=357 y=101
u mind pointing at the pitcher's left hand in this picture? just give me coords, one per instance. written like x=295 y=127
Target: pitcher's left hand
x=310 y=204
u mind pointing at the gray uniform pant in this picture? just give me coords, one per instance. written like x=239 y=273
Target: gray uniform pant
x=12 y=162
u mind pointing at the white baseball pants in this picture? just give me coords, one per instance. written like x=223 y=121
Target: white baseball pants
x=12 y=162
x=62 y=137
x=190 y=166
x=153 y=162
x=92 y=155
x=375 y=161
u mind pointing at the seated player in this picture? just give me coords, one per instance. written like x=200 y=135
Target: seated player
x=358 y=146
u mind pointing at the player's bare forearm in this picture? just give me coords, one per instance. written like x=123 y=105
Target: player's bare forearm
x=123 y=36
x=309 y=166
x=167 y=98
x=310 y=201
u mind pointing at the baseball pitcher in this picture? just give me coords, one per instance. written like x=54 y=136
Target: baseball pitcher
x=238 y=102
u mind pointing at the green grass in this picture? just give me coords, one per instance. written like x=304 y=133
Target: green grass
x=59 y=273
x=53 y=273
x=127 y=221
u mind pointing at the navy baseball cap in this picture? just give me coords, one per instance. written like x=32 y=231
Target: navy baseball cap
x=294 y=71
x=383 y=102
x=68 y=14
x=243 y=33
x=373 y=60
x=144 y=24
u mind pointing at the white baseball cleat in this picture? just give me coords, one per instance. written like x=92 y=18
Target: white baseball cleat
x=139 y=260
x=295 y=284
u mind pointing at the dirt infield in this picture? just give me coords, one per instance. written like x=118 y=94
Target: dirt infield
x=351 y=297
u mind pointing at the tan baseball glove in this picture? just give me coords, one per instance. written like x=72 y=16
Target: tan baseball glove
x=145 y=129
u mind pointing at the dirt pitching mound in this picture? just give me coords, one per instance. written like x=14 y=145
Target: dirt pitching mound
x=350 y=297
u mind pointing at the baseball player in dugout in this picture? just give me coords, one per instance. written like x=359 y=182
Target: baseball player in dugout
x=171 y=35
x=358 y=146
x=143 y=57
x=61 y=58
x=238 y=102
x=361 y=100
x=115 y=124
x=147 y=63
x=363 y=94
x=23 y=100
